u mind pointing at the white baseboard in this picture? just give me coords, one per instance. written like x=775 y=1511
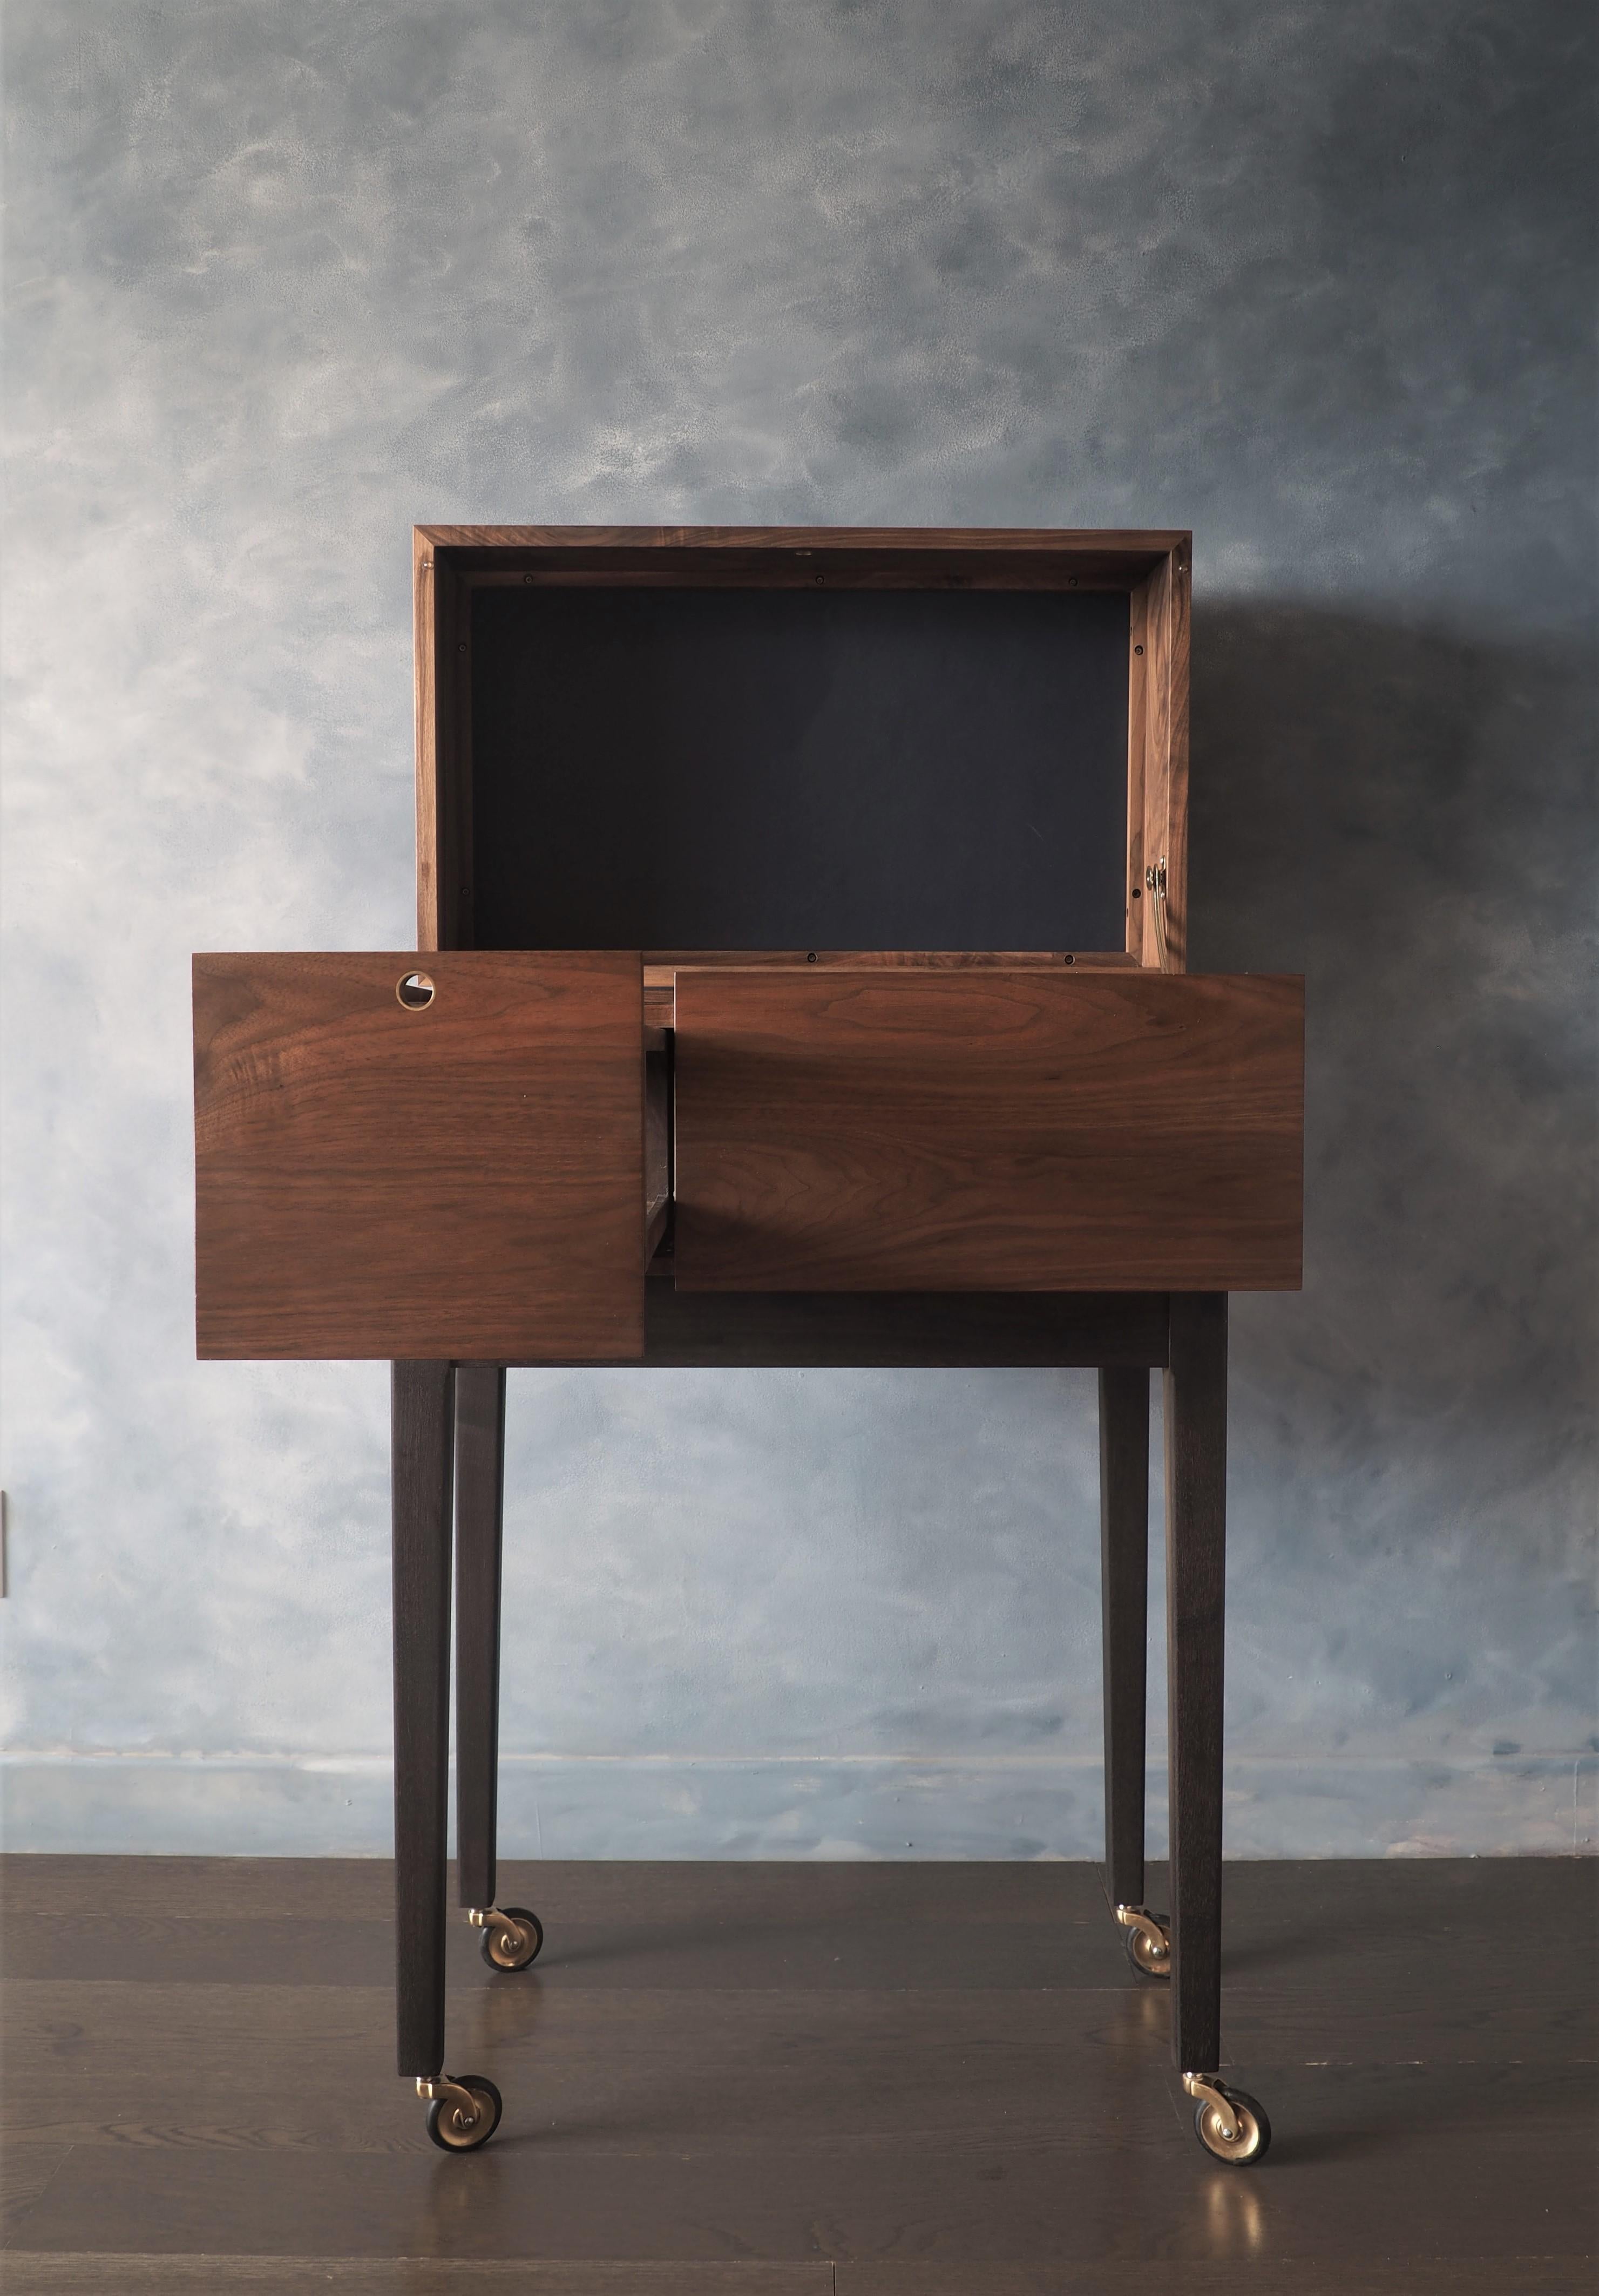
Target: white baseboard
x=828 y=1806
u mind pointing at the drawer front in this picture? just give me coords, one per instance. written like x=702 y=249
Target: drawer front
x=988 y=1130
x=462 y=1178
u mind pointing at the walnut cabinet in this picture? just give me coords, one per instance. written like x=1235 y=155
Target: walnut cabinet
x=801 y=976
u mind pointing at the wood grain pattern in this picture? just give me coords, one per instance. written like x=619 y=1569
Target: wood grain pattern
x=84 y=2275
x=721 y=2071
x=463 y=1182
x=1430 y=1943
x=1241 y=2274
x=861 y=557
x=946 y=1132
x=1158 y=784
x=662 y=964
x=29 y=2161
x=430 y=766
x=1289 y=1924
x=1153 y=600
x=1388 y=2167
x=40 y=2274
x=1174 y=680
x=442 y=670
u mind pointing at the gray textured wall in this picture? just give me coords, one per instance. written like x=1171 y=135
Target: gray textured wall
x=1314 y=279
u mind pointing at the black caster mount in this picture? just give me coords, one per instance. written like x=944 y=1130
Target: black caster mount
x=463 y=2110
x=511 y=1936
x=1231 y=2126
x=1148 y=1939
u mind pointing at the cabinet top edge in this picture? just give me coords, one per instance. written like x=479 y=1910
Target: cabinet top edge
x=1128 y=542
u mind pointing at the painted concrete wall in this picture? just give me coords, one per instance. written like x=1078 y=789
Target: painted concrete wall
x=1314 y=279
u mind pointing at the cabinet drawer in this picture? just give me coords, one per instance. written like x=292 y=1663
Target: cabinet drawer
x=460 y=1177
x=987 y=1130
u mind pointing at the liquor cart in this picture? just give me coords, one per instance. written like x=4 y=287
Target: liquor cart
x=801 y=979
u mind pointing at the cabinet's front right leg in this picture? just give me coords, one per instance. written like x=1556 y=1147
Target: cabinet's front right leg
x=1196 y=1540
x=1230 y=2125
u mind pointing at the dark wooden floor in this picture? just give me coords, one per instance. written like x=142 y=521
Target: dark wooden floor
x=877 y=2080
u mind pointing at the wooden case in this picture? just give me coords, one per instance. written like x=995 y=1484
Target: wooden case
x=695 y=740
x=808 y=913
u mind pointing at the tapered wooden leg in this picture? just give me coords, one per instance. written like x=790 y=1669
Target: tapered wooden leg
x=1124 y=1594
x=479 y=1516
x=1196 y=1519
x=423 y=1426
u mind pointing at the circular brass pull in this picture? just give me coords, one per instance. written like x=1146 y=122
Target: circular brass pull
x=415 y=991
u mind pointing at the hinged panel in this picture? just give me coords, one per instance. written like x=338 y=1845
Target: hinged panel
x=754 y=804
x=988 y=1131
x=460 y=1177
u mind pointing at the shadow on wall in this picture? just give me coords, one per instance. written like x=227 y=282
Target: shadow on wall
x=1404 y=815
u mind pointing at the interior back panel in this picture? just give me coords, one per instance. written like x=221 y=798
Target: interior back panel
x=666 y=768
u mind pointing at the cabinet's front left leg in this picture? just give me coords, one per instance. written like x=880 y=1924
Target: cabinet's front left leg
x=511 y=1934
x=422 y=1430
x=1229 y=2124
x=464 y=2111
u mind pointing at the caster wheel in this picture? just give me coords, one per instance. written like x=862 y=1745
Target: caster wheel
x=512 y=1937
x=1148 y=1940
x=1240 y=2135
x=450 y=2125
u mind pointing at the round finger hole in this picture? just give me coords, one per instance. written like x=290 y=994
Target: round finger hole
x=415 y=990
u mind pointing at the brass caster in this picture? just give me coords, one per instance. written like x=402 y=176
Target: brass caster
x=1230 y=2125
x=463 y=2110
x=513 y=1936
x=1148 y=1939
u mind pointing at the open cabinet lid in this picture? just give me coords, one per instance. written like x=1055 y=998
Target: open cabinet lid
x=392 y=1174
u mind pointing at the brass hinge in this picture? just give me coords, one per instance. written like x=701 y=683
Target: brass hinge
x=1154 y=885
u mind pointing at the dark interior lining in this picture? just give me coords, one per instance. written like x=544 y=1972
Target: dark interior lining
x=677 y=768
